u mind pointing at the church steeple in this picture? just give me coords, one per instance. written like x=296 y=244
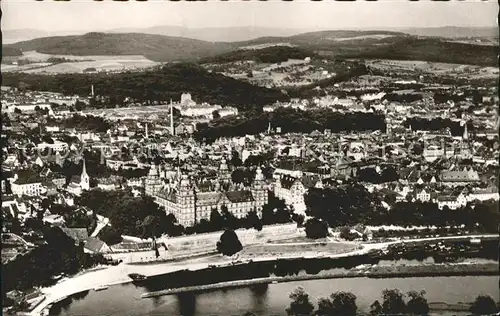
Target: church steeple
x=465 y=136
x=84 y=178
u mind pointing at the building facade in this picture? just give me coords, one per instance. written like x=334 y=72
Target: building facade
x=191 y=200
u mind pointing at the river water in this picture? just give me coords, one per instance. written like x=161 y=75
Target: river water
x=125 y=300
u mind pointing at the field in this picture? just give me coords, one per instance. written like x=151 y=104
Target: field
x=435 y=68
x=40 y=63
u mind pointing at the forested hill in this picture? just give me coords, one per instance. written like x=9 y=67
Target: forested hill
x=154 y=47
x=273 y=54
x=158 y=85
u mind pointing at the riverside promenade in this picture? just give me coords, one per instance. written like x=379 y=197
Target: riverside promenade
x=112 y=275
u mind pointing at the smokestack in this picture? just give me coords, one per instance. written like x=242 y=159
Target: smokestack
x=92 y=90
x=172 y=131
x=147 y=135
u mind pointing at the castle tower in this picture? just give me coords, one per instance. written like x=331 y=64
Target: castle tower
x=259 y=190
x=388 y=126
x=186 y=202
x=84 y=178
x=225 y=174
x=152 y=183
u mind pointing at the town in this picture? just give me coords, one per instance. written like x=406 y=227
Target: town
x=259 y=167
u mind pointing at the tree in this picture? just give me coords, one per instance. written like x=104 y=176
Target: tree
x=339 y=303
x=483 y=305
x=316 y=228
x=253 y=220
x=79 y=105
x=375 y=308
x=229 y=244
x=216 y=220
x=17 y=111
x=235 y=159
x=215 y=115
x=393 y=302
x=110 y=236
x=417 y=304
x=300 y=305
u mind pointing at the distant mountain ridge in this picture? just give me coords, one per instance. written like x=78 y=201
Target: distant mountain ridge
x=246 y=33
x=341 y=43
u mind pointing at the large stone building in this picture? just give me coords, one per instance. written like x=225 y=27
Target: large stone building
x=191 y=200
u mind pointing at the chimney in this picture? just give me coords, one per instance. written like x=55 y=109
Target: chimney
x=172 y=131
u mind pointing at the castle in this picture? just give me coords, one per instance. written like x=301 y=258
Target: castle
x=191 y=200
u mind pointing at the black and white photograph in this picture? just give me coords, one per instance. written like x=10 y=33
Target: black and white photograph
x=250 y=158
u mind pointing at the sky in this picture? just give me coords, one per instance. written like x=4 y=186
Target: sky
x=89 y=15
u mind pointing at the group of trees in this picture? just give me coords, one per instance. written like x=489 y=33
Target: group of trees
x=393 y=303
x=342 y=205
x=344 y=304
x=352 y=204
x=388 y=174
x=290 y=121
x=86 y=123
x=141 y=216
x=437 y=124
x=273 y=54
x=33 y=268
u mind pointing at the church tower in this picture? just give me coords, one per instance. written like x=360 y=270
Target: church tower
x=465 y=151
x=84 y=178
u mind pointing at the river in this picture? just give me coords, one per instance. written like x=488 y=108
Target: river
x=271 y=300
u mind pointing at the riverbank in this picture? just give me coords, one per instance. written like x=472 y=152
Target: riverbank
x=119 y=274
x=428 y=270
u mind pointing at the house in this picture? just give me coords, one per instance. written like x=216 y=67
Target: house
x=292 y=189
x=95 y=245
x=452 y=202
x=423 y=196
x=79 y=235
x=459 y=178
x=79 y=183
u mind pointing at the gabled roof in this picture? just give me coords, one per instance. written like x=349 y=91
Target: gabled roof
x=93 y=244
x=77 y=234
x=240 y=196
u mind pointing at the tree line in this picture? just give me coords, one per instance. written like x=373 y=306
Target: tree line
x=394 y=302
x=352 y=204
x=290 y=121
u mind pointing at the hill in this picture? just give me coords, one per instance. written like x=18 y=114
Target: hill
x=212 y=34
x=155 y=86
x=271 y=54
x=386 y=45
x=11 y=51
x=154 y=47
x=343 y=43
x=454 y=32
